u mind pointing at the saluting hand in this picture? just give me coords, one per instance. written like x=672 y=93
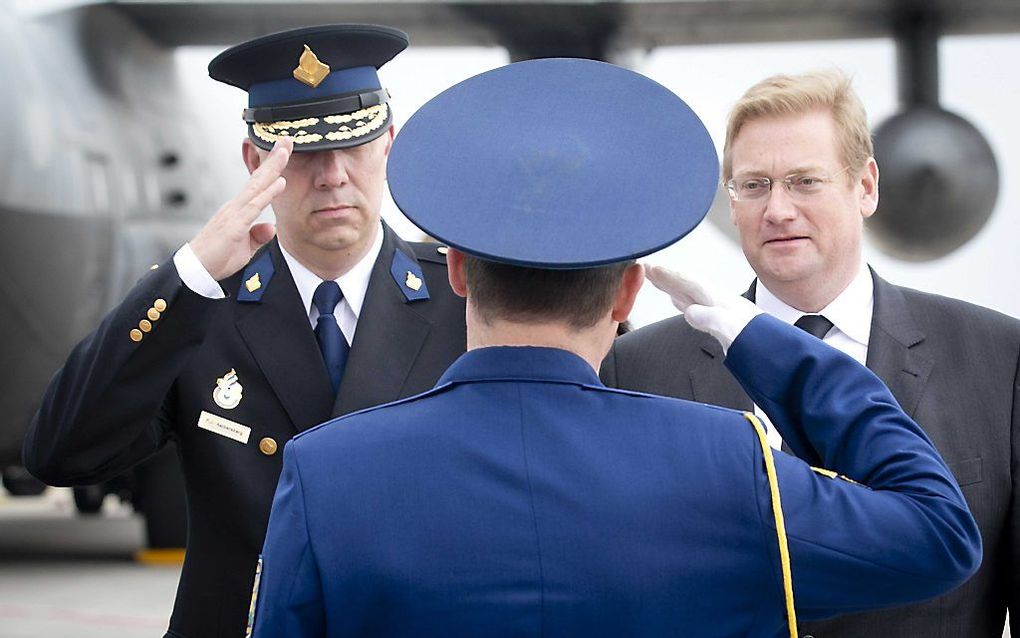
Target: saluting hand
x=229 y=239
x=722 y=315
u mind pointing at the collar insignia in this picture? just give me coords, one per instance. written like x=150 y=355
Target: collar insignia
x=253 y=283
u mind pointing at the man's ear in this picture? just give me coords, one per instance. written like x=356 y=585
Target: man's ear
x=869 y=188
x=389 y=139
x=633 y=277
x=251 y=155
x=455 y=271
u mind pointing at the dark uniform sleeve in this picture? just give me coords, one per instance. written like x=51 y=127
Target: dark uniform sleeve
x=289 y=594
x=899 y=529
x=110 y=405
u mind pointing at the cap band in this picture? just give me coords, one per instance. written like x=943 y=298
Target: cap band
x=362 y=78
x=347 y=104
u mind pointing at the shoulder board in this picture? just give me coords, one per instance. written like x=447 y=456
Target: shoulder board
x=429 y=251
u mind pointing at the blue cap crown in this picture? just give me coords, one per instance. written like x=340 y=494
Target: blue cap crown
x=555 y=163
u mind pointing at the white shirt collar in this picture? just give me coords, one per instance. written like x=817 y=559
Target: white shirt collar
x=850 y=312
x=353 y=284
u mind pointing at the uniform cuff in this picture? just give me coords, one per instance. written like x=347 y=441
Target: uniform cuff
x=195 y=276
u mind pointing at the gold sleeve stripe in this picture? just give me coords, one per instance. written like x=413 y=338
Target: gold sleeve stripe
x=777 y=512
x=833 y=475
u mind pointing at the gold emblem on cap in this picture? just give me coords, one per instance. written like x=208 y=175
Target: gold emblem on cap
x=310 y=70
x=412 y=282
x=228 y=391
x=442 y=250
x=267 y=446
x=253 y=283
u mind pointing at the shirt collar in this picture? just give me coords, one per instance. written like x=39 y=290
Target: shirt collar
x=850 y=311
x=353 y=284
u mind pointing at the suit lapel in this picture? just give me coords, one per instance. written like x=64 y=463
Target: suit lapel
x=712 y=383
x=896 y=349
x=280 y=338
x=388 y=339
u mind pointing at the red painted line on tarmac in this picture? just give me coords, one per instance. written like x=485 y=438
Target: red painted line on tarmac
x=80 y=617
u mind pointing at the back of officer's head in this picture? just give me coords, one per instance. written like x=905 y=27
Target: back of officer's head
x=579 y=298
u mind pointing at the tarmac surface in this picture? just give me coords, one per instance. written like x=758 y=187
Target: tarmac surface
x=62 y=574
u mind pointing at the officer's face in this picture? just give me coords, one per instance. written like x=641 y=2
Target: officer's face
x=331 y=203
x=797 y=242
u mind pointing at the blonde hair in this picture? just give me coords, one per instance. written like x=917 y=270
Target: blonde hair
x=796 y=94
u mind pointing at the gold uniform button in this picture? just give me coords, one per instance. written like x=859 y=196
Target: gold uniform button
x=145 y=326
x=267 y=446
x=152 y=314
x=154 y=267
x=136 y=335
x=159 y=304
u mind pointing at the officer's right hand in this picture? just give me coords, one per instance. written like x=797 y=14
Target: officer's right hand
x=722 y=315
x=229 y=239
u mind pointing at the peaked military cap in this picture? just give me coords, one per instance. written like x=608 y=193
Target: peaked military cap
x=555 y=163
x=317 y=84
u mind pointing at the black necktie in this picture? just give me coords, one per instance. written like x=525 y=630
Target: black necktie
x=331 y=341
x=816 y=325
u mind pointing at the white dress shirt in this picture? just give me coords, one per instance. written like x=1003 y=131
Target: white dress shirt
x=353 y=284
x=850 y=313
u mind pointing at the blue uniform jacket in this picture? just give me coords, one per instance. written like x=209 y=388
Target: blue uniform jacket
x=521 y=497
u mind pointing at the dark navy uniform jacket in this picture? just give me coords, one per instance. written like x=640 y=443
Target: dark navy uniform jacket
x=521 y=497
x=116 y=401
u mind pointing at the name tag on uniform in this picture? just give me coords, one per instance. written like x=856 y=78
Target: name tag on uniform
x=224 y=427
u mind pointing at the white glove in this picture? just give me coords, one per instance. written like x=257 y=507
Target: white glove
x=721 y=314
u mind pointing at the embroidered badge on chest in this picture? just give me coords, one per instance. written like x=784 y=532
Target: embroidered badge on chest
x=228 y=391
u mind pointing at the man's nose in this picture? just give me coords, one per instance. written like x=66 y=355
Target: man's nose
x=332 y=170
x=779 y=204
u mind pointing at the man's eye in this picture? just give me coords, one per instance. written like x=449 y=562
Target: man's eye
x=753 y=185
x=807 y=181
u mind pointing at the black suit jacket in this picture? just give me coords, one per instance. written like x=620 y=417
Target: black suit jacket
x=955 y=368
x=115 y=402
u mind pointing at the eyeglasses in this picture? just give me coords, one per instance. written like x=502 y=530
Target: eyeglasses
x=801 y=186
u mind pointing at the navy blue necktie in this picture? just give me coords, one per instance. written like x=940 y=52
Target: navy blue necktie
x=327 y=331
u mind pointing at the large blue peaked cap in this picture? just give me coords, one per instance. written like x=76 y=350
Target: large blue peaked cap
x=555 y=163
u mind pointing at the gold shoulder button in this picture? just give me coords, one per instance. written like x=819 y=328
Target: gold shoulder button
x=136 y=335
x=159 y=305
